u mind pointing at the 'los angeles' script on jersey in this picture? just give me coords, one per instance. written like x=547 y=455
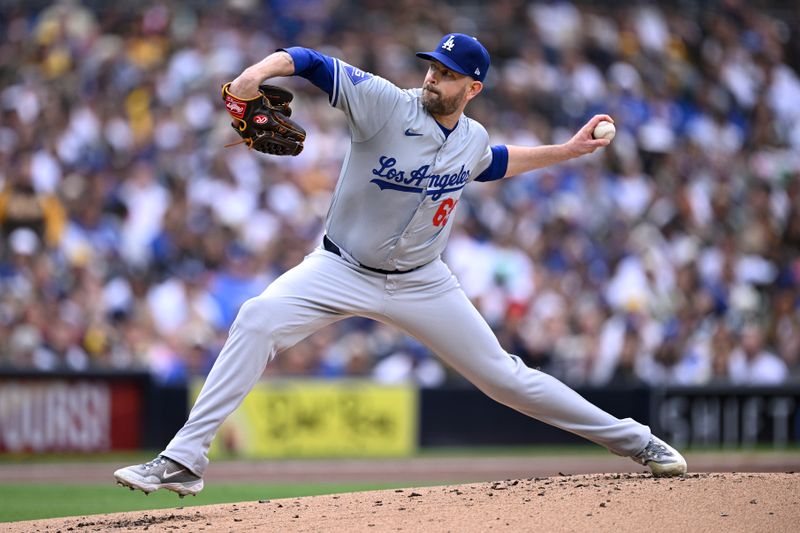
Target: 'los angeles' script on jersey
x=418 y=180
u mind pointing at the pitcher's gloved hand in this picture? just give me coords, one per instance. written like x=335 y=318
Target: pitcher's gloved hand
x=263 y=122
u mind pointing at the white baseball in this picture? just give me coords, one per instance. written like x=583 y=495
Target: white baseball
x=604 y=130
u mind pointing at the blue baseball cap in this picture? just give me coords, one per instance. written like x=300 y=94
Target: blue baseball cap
x=461 y=53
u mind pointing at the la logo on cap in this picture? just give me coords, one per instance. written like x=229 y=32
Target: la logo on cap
x=449 y=44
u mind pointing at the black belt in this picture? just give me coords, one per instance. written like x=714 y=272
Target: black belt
x=332 y=248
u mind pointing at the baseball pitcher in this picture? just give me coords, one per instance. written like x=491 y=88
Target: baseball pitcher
x=412 y=152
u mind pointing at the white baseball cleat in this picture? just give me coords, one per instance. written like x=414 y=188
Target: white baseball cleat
x=160 y=473
x=662 y=459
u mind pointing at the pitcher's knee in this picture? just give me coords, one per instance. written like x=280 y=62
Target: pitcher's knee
x=517 y=385
x=258 y=313
x=507 y=393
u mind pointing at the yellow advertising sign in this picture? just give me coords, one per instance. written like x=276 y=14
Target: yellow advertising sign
x=309 y=418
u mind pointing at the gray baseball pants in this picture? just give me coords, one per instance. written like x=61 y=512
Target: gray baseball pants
x=428 y=304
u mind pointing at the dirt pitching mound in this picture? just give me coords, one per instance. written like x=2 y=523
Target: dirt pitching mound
x=745 y=502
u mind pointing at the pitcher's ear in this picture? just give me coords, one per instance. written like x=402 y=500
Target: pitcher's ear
x=474 y=89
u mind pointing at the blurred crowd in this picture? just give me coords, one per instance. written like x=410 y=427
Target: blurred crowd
x=129 y=236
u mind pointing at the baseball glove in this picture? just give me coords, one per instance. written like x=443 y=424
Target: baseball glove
x=263 y=122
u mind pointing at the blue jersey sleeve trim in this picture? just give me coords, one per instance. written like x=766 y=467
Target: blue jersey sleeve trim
x=334 y=96
x=497 y=169
x=314 y=66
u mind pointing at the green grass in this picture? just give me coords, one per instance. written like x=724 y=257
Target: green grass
x=39 y=501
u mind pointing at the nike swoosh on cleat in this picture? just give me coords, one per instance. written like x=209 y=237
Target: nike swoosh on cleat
x=410 y=133
x=168 y=475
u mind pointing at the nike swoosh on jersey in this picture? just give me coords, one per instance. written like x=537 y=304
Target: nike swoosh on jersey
x=410 y=133
x=168 y=475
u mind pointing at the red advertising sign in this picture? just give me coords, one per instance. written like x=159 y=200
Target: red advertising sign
x=68 y=415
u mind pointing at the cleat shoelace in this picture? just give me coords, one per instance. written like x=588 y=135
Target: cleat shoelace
x=654 y=452
x=158 y=461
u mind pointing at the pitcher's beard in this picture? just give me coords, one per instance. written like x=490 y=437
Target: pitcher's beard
x=435 y=104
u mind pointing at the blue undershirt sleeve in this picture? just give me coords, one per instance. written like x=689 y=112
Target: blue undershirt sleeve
x=313 y=66
x=497 y=169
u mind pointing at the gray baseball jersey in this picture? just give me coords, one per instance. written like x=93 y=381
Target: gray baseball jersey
x=402 y=177
x=399 y=184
